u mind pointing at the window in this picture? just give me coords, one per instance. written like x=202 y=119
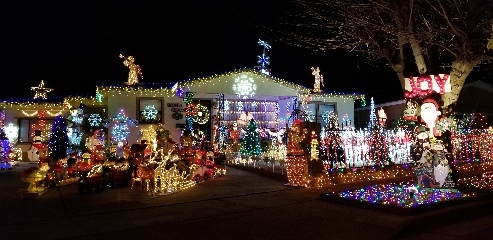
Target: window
x=150 y=111
x=27 y=127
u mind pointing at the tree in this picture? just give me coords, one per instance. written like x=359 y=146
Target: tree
x=58 y=141
x=251 y=142
x=413 y=36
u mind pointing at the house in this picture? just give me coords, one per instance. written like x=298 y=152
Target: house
x=128 y=111
x=223 y=99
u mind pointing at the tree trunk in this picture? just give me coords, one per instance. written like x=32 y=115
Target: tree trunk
x=458 y=74
x=418 y=56
x=397 y=62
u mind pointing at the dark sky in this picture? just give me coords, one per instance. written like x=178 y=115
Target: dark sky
x=74 y=46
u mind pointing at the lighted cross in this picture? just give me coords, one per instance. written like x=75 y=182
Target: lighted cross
x=41 y=91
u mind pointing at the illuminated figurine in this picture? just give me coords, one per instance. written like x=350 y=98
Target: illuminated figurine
x=429 y=115
x=134 y=70
x=234 y=133
x=319 y=79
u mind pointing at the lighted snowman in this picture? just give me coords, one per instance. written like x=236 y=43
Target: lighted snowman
x=440 y=163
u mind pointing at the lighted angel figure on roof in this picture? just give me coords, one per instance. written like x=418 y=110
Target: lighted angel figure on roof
x=319 y=79
x=134 y=70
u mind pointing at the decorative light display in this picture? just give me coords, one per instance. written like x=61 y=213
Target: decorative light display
x=373 y=116
x=202 y=115
x=134 y=70
x=12 y=132
x=40 y=91
x=150 y=112
x=296 y=162
x=251 y=141
x=319 y=79
x=120 y=130
x=263 y=59
x=244 y=86
x=42 y=126
x=425 y=85
x=403 y=195
x=58 y=142
x=94 y=120
x=314 y=152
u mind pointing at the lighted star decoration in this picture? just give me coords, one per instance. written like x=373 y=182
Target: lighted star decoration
x=94 y=120
x=150 y=112
x=244 y=86
x=41 y=91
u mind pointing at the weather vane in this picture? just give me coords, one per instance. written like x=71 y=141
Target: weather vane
x=41 y=91
x=319 y=79
x=134 y=70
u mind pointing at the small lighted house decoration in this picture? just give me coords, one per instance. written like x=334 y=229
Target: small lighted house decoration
x=41 y=91
x=134 y=70
x=319 y=79
x=410 y=111
x=382 y=117
x=244 y=86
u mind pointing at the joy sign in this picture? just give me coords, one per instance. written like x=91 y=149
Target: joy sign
x=424 y=85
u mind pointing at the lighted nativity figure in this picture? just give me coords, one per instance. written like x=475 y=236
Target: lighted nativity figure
x=134 y=70
x=319 y=79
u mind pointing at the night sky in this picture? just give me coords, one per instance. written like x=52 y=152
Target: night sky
x=74 y=46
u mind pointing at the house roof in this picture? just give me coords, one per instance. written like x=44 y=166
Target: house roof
x=225 y=83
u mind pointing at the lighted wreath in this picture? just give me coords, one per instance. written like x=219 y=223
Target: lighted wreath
x=177 y=115
x=202 y=115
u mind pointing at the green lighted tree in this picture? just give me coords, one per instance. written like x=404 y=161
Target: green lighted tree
x=251 y=142
x=58 y=141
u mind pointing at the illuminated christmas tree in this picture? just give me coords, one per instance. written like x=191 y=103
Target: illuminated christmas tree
x=58 y=142
x=251 y=142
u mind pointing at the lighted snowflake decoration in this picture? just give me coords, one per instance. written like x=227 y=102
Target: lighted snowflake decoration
x=202 y=115
x=150 y=112
x=11 y=132
x=94 y=120
x=244 y=86
x=309 y=116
